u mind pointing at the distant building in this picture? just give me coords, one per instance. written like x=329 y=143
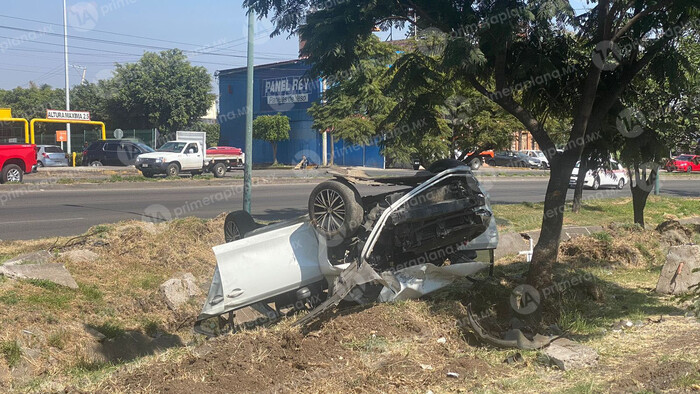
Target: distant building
x=285 y=88
x=523 y=140
x=212 y=114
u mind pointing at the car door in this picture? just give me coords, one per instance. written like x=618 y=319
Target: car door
x=192 y=157
x=110 y=154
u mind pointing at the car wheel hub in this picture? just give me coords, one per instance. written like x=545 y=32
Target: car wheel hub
x=329 y=212
x=13 y=176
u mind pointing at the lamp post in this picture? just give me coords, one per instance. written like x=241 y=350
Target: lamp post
x=248 y=172
x=65 y=55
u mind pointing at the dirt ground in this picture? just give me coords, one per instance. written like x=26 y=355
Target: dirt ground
x=400 y=347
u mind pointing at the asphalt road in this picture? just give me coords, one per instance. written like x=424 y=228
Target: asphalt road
x=29 y=212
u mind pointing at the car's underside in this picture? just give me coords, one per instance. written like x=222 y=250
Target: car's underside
x=353 y=246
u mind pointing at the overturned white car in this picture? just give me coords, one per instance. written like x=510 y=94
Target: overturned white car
x=395 y=245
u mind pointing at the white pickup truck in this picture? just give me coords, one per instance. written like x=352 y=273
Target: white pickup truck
x=186 y=154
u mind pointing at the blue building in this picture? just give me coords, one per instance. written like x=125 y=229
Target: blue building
x=283 y=88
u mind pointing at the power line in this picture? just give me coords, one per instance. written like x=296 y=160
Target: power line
x=115 y=33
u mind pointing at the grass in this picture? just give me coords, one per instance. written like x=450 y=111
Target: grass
x=528 y=216
x=151 y=327
x=10 y=298
x=148 y=281
x=91 y=292
x=109 y=329
x=373 y=344
x=11 y=351
x=57 y=339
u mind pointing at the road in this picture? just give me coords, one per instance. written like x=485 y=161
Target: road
x=31 y=213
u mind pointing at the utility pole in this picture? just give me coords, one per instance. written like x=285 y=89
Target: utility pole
x=65 y=53
x=248 y=172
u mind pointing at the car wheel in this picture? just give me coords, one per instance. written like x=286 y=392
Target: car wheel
x=148 y=174
x=219 y=170
x=688 y=169
x=96 y=163
x=237 y=224
x=172 y=170
x=475 y=163
x=335 y=210
x=491 y=162
x=11 y=173
x=40 y=164
x=620 y=184
x=596 y=184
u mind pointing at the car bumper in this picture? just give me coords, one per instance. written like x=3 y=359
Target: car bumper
x=155 y=167
x=56 y=163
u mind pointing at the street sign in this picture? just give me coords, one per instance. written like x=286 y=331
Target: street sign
x=58 y=114
x=61 y=135
x=118 y=134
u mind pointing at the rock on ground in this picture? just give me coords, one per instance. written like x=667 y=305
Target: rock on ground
x=55 y=273
x=178 y=290
x=567 y=354
x=81 y=255
x=40 y=257
x=677 y=274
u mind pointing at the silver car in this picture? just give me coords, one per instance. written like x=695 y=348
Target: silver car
x=50 y=156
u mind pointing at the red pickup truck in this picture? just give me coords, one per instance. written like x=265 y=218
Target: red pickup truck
x=15 y=161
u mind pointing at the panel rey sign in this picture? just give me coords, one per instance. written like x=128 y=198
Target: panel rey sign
x=59 y=114
x=286 y=93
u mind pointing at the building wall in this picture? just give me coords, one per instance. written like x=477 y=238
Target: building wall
x=281 y=88
x=523 y=140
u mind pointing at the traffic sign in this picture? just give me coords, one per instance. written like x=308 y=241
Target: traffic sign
x=118 y=134
x=61 y=135
x=58 y=114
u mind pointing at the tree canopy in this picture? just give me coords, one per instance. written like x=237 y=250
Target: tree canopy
x=537 y=60
x=273 y=129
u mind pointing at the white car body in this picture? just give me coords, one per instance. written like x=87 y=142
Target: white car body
x=610 y=175
x=537 y=154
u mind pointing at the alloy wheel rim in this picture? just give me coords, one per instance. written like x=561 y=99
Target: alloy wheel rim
x=329 y=210
x=13 y=175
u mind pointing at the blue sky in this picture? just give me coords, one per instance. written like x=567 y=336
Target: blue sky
x=212 y=26
x=102 y=32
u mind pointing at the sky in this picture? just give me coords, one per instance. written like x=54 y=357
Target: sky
x=102 y=32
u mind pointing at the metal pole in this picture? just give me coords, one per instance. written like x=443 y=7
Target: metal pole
x=65 y=53
x=248 y=172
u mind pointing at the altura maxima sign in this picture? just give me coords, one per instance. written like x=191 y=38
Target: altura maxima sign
x=59 y=114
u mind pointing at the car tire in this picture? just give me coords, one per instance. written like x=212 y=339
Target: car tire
x=596 y=184
x=620 y=184
x=11 y=173
x=491 y=162
x=40 y=164
x=219 y=170
x=669 y=169
x=445 y=164
x=148 y=174
x=335 y=210
x=475 y=163
x=172 y=170
x=688 y=170
x=96 y=163
x=237 y=224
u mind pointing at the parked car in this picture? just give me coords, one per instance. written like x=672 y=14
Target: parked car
x=50 y=156
x=684 y=163
x=513 y=159
x=114 y=152
x=380 y=247
x=15 y=161
x=186 y=154
x=612 y=174
x=538 y=154
x=475 y=160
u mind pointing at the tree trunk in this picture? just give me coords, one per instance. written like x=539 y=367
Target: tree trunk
x=639 y=202
x=578 y=191
x=641 y=187
x=547 y=249
x=332 y=149
x=274 y=153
